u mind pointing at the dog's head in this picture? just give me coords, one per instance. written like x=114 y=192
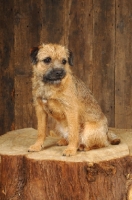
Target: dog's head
x=51 y=62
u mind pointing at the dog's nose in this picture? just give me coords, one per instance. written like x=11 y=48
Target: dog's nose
x=59 y=72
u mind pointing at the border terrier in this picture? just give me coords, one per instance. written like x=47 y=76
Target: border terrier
x=60 y=94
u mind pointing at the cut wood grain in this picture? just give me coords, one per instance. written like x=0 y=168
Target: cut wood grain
x=97 y=174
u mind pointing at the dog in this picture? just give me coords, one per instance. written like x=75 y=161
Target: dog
x=59 y=93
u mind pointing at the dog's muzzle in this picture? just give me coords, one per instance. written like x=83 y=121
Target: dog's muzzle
x=54 y=75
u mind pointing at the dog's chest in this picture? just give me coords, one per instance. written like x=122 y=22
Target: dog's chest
x=54 y=108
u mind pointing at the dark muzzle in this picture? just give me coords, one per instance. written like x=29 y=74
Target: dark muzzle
x=54 y=75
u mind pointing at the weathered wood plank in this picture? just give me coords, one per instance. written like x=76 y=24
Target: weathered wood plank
x=24 y=110
x=27 y=33
x=104 y=56
x=6 y=66
x=102 y=51
x=80 y=38
x=123 y=69
x=52 y=13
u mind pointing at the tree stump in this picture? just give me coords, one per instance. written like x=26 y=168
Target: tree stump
x=100 y=174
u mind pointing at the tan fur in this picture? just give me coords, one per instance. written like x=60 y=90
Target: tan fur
x=79 y=118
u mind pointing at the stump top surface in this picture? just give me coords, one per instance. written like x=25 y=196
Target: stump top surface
x=17 y=143
x=125 y=136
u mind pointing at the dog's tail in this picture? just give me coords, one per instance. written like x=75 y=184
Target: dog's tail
x=113 y=138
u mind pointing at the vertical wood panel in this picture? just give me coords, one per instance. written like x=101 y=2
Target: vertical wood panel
x=104 y=56
x=28 y=24
x=123 y=70
x=24 y=113
x=52 y=21
x=81 y=38
x=98 y=32
x=6 y=66
x=27 y=32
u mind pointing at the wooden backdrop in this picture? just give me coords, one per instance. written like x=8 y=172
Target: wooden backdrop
x=99 y=33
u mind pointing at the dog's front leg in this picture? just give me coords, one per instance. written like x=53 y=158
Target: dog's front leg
x=73 y=133
x=42 y=119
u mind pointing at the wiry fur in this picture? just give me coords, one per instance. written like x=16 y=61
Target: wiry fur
x=79 y=118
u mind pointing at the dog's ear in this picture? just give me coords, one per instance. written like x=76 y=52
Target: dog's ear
x=33 y=54
x=70 y=58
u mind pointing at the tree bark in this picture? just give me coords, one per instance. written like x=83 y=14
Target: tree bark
x=100 y=174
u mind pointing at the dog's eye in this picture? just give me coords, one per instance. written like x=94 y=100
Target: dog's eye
x=64 y=61
x=47 y=60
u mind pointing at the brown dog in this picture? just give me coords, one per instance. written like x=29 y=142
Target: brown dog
x=57 y=92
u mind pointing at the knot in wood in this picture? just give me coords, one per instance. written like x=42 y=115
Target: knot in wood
x=107 y=169
x=92 y=172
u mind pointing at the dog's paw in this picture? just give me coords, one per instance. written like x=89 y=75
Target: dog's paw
x=70 y=151
x=35 y=147
x=62 y=142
